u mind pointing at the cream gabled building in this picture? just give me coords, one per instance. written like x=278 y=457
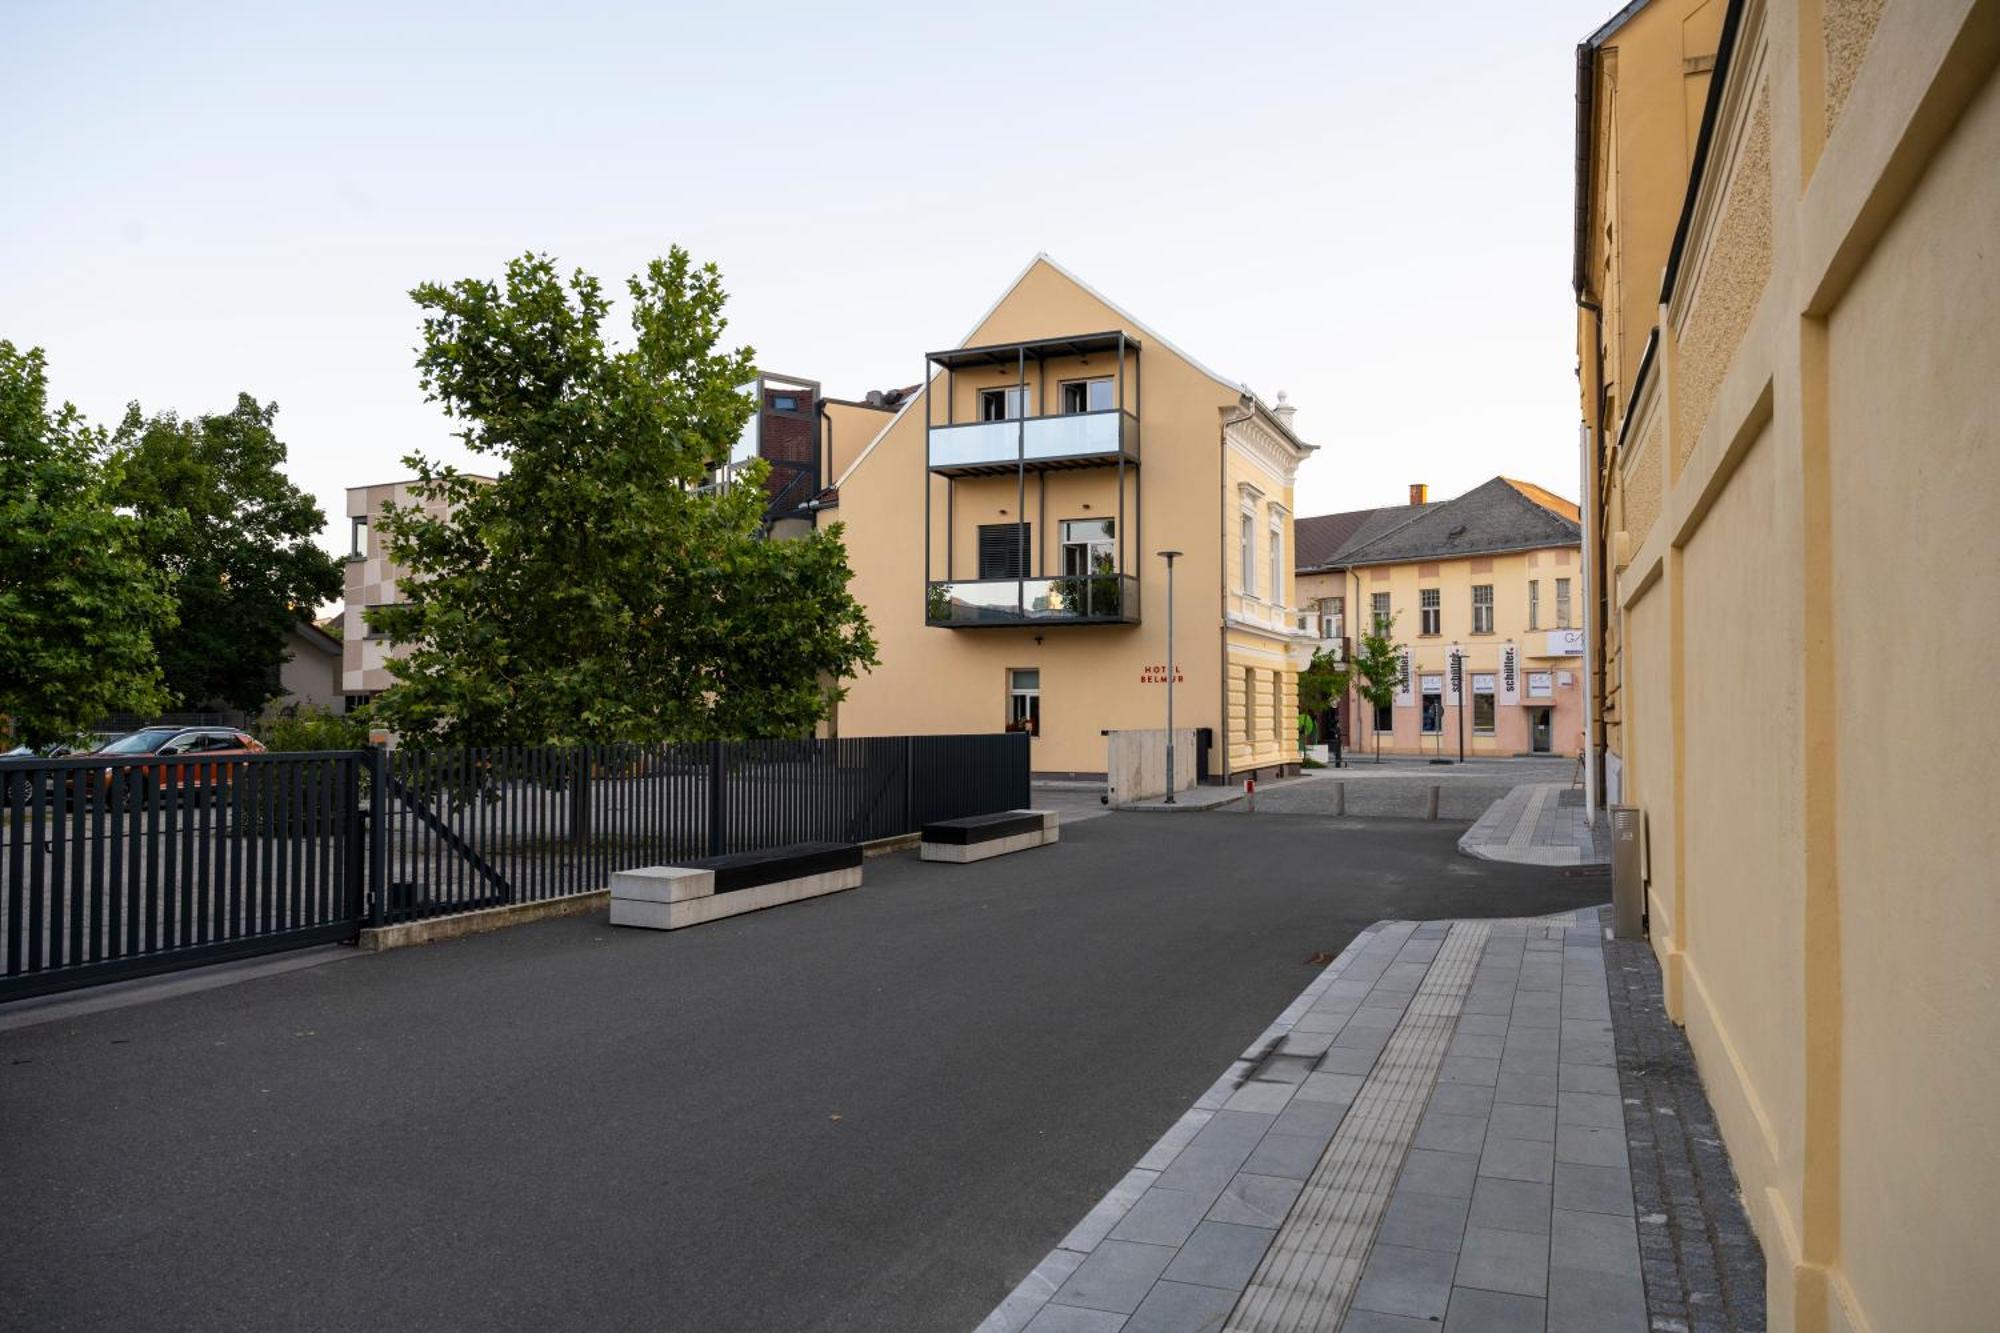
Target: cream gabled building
x=1791 y=384
x=1004 y=531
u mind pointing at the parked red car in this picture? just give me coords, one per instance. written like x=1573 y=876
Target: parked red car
x=197 y=756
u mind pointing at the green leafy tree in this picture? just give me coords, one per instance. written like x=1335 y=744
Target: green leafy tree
x=596 y=591
x=1321 y=685
x=1378 y=668
x=239 y=539
x=80 y=605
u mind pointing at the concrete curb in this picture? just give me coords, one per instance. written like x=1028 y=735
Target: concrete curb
x=374 y=939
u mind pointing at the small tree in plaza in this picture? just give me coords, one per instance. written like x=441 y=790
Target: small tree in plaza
x=598 y=590
x=1321 y=685
x=1378 y=669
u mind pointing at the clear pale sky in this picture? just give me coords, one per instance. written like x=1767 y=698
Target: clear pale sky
x=1366 y=205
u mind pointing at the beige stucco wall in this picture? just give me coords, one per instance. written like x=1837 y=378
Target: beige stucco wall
x=1509 y=573
x=1093 y=677
x=1916 y=487
x=1806 y=654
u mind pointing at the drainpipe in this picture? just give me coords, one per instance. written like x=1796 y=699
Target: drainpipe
x=1246 y=408
x=1597 y=579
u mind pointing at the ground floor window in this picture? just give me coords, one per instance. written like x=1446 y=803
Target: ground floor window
x=1024 y=700
x=1277 y=707
x=1482 y=703
x=1433 y=705
x=1385 y=717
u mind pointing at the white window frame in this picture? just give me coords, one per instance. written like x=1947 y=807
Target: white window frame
x=1479 y=606
x=1534 y=603
x=1277 y=527
x=1064 y=386
x=1031 y=694
x=1430 y=612
x=1562 y=604
x=1014 y=402
x=1249 y=553
x=1381 y=611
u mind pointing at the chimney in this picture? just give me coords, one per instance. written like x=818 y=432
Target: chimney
x=1419 y=493
x=1284 y=410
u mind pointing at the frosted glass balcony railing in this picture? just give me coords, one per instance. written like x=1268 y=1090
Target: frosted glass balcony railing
x=1071 y=438
x=1081 y=599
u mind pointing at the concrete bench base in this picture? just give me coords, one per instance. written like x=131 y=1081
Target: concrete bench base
x=977 y=849
x=670 y=897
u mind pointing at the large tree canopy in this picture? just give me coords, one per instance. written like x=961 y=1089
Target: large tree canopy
x=240 y=540
x=79 y=603
x=596 y=591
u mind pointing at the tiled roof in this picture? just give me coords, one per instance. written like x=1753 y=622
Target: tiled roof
x=1500 y=515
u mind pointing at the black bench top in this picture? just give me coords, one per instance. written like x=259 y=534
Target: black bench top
x=746 y=870
x=983 y=828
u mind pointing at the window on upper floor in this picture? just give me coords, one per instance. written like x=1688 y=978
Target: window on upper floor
x=1534 y=603
x=1249 y=554
x=1379 y=612
x=1562 y=604
x=1277 y=558
x=1088 y=546
x=1430 y=612
x=1482 y=608
x=1332 y=617
x=1100 y=395
x=1003 y=550
x=359 y=549
x=1005 y=404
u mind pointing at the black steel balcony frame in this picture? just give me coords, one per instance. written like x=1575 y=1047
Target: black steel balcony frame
x=1117 y=591
x=1041 y=351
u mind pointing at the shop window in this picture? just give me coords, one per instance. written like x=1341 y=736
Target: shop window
x=1385 y=718
x=1482 y=703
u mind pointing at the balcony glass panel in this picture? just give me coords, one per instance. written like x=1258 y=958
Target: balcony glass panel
x=1074 y=435
x=1081 y=599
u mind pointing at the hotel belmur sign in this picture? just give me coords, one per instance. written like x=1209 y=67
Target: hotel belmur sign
x=1157 y=675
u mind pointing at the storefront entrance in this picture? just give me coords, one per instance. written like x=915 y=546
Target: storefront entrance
x=1541 y=728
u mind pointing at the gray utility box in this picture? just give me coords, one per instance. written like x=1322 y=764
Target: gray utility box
x=1628 y=873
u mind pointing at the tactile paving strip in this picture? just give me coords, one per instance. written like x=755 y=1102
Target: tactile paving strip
x=1309 y=1274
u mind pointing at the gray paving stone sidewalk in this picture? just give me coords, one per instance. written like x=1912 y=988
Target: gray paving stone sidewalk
x=1433 y=1135
x=1539 y=823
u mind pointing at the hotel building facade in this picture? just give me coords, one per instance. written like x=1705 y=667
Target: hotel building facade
x=1005 y=531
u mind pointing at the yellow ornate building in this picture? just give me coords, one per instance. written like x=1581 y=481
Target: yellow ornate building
x=1789 y=334
x=1492 y=578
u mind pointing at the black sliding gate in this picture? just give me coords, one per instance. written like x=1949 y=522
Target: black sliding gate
x=116 y=867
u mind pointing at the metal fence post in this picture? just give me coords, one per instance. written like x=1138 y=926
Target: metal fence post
x=378 y=835
x=716 y=808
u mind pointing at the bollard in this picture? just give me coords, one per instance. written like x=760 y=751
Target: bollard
x=1340 y=798
x=1250 y=794
x=1434 y=803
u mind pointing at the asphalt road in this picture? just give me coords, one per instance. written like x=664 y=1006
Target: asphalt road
x=872 y=1111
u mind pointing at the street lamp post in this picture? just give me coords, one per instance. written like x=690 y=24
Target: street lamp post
x=1458 y=688
x=1170 y=557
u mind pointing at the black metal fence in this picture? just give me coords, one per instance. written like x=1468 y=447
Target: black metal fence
x=116 y=867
